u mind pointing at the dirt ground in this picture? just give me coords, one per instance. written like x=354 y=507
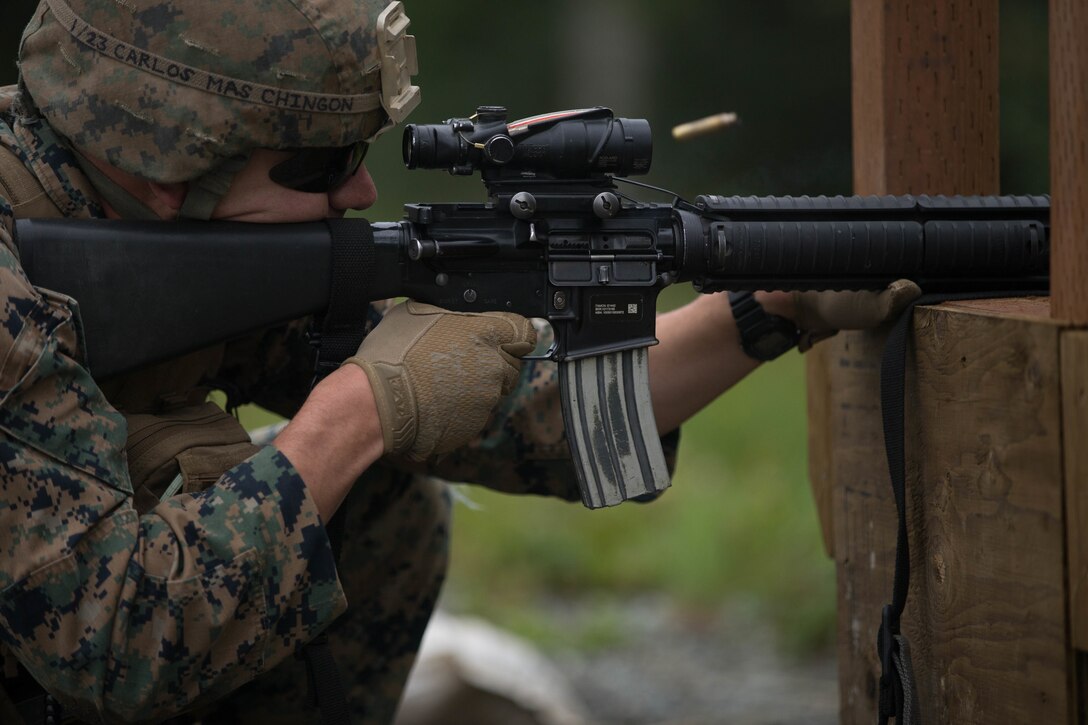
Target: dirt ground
x=665 y=667
x=678 y=670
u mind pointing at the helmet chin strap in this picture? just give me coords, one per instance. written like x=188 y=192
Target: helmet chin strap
x=200 y=201
x=122 y=201
x=205 y=192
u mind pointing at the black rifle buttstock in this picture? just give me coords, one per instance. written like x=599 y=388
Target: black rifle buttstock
x=149 y=291
x=611 y=427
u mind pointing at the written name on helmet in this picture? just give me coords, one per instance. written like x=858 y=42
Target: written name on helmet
x=226 y=86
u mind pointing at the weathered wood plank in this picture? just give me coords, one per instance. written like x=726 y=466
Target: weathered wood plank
x=864 y=516
x=1020 y=308
x=1074 y=352
x=986 y=611
x=986 y=614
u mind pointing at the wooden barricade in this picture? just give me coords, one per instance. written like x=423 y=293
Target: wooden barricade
x=996 y=396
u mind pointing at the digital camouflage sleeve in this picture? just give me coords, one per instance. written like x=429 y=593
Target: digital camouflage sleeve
x=122 y=616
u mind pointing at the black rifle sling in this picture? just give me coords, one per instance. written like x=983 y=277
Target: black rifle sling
x=337 y=336
x=326 y=686
x=340 y=328
x=898 y=693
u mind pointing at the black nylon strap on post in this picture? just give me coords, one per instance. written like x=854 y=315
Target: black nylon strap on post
x=353 y=269
x=898 y=693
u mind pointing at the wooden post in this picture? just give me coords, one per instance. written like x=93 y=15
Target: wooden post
x=996 y=398
x=1069 y=295
x=925 y=96
x=925 y=113
x=1069 y=159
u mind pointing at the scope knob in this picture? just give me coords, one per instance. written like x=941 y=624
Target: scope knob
x=499 y=149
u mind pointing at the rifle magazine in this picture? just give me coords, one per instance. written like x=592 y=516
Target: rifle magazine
x=611 y=428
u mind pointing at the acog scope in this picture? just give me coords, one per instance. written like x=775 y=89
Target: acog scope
x=574 y=144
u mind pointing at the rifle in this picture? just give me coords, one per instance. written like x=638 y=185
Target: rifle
x=556 y=239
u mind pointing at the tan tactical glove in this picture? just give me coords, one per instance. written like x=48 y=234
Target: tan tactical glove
x=822 y=314
x=437 y=375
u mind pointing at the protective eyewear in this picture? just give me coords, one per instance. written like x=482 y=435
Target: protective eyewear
x=319 y=170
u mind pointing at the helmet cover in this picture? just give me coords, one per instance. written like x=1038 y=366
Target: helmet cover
x=169 y=89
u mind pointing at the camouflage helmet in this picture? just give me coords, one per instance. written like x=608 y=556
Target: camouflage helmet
x=171 y=89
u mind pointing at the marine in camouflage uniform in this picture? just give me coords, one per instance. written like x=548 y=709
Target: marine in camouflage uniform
x=128 y=608
x=98 y=602
x=130 y=599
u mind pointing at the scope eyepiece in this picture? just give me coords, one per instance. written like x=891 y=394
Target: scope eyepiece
x=574 y=144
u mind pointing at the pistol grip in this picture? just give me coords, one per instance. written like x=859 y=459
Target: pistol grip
x=611 y=428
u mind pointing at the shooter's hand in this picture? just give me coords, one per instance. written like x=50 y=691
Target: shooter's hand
x=438 y=375
x=822 y=313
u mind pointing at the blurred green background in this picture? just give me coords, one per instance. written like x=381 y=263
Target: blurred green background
x=739 y=523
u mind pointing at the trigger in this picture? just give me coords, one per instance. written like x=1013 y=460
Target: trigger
x=549 y=354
